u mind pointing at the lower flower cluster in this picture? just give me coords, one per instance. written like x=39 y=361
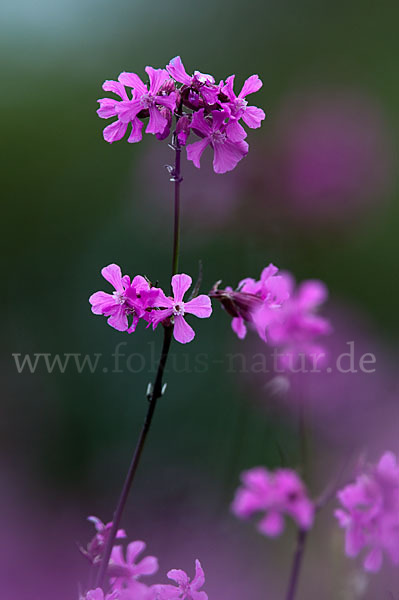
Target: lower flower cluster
x=125 y=572
x=370 y=513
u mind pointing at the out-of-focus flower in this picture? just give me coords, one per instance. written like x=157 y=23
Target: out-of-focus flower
x=186 y=589
x=125 y=571
x=95 y=548
x=176 y=308
x=297 y=327
x=276 y=494
x=254 y=301
x=370 y=513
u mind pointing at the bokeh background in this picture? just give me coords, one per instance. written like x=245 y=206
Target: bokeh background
x=317 y=195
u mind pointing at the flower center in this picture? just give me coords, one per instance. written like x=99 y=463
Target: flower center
x=240 y=103
x=147 y=100
x=218 y=137
x=119 y=297
x=178 y=309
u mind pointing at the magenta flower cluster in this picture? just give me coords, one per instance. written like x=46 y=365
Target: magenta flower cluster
x=282 y=316
x=370 y=513
x=275 y=494
x=126 y=570
x=209 y=110
x=137 y=299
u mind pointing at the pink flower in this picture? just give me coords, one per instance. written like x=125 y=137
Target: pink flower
x=254 y=302
x=95 y=548
x=144 y=99
x=109 y=108
x=186 y=589
x=201 y=86
x=176 y=308
x=229 y=148
x=251 y=115
x=275 y=494
x=370 y=513
x=298 y=326
x=130 y=299
x=124 y=572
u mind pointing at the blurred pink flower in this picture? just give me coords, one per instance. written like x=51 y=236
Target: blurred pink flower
x=370 y=513
x=95 y=547
x=124 y=571
x=186 y=589
x=297 y=327
x=276 y=494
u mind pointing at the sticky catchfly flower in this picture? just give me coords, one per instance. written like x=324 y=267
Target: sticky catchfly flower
x=276 y=494
x=370 y=513
x=129 y=301
x=186 y=589
x=124 y=571
x=298 y=326
x=216 y=132
x=176 y=309
x=95 y=547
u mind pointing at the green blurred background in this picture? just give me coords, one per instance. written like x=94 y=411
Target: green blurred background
x=73 y=203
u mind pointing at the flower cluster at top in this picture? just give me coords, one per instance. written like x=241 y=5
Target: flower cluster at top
x=282 y=316
x=137 y=299
x=370 y=513
x=275 y=494
x=209 y=110
x=126 y=570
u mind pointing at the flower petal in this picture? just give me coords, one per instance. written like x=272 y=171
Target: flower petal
x=228 y=154
x=136 y=134
x=239 y=327
x=176 y=69
x=107 y=108
x=115 y=131
x=115 y=87
x=182 y=331
x=179 y=576
x=157 y=78
x=195 y=150
x=251 y=85
x=180 y=285
x=200 y=307
x=272 y=525
x=253 y=116
x=127 y=111
x=119 y=319
x=157 y=122
x=167 y=101
x=101 y=303
x=132 y=80
x=113 y=274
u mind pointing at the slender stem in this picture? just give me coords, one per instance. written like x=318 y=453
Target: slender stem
x=153 y=398
x=157 y=387
x=177 y=179
x=296 y=564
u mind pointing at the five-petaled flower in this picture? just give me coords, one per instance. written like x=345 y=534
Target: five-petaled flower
x=228 y=147
x=176 y=309
x=186 y=589
x=131 y=299
x=124 y=572
x=275 y=494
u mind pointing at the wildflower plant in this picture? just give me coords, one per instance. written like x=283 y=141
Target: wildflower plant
x=198 y=114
